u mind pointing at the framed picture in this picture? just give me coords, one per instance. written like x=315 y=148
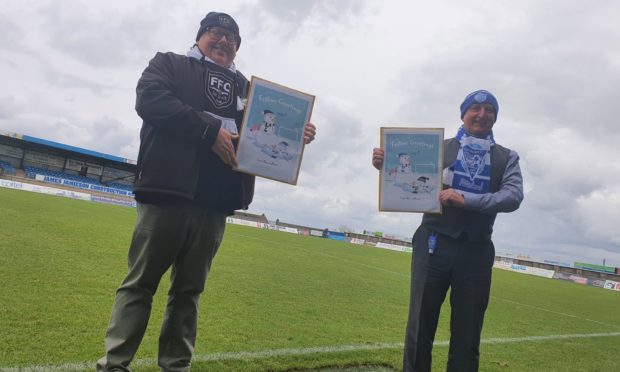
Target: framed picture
x=411 y=177
x=271 y=141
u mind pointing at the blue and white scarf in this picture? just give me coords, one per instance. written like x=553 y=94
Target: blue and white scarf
x=471 y=172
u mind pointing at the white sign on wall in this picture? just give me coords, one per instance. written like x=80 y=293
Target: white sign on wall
x=44 y=159
x=76 y=165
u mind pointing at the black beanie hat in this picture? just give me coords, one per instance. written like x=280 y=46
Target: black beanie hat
x=222 y=20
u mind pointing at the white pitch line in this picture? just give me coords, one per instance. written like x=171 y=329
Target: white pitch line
x=251 y=355
x=494 y=341
x=556 y=312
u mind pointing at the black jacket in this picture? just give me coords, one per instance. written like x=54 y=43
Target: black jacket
x=176 y=139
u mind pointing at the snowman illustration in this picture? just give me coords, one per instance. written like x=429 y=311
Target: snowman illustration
x=402 y=172
x=278 y=150
x=265 y=132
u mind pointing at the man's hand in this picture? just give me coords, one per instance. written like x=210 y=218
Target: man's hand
x=377 y=157
x=451 y=198
x=309 y=133
x=223 y=147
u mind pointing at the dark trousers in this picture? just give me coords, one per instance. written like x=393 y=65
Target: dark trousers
x=465 y=267
x=185 y=238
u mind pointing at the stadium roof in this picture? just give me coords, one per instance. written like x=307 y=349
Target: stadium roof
x=61 y=146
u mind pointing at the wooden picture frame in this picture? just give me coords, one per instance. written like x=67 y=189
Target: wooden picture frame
x=271 y=140
x=410 y=179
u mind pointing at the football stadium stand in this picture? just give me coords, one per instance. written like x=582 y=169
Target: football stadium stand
x=30 y=159
x=35 y=164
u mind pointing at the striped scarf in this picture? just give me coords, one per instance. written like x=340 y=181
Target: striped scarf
x=471 y=172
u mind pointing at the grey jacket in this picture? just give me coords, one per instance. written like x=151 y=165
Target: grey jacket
x=475 y=221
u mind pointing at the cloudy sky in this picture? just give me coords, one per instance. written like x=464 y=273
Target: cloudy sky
x=68 y=71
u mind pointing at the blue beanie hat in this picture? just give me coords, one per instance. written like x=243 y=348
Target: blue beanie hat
x=479 y=96
x=222 y=20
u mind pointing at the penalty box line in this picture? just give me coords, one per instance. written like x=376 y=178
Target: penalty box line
x=251 y=355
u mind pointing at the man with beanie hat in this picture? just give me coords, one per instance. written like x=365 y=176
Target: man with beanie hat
x=191 y=106
x=454 y=249
x=223 y=20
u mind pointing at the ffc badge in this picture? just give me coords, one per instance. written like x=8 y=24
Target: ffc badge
x=219 y=89
x=224 y=21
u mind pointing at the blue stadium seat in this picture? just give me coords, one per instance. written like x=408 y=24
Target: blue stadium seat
x=120 y=186
x=33 y=171
x=7 y=167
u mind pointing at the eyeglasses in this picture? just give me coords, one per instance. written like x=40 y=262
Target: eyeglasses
x=216 y=34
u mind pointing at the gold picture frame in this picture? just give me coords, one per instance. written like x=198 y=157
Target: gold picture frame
x=271 y=139
x=410 y=179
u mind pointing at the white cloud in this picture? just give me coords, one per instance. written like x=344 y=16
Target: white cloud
x=69 y=71
x=599 y=212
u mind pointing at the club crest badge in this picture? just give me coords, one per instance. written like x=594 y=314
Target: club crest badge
x=480 y=97
x=224 y=21
x=473 y=161
x=219 y=89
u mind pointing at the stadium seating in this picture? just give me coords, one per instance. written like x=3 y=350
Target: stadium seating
x=31 y=172
x=120 y=186
x=7 y=167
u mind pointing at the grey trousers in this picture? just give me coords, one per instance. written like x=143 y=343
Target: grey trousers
x=186 y=238
x=465 y=267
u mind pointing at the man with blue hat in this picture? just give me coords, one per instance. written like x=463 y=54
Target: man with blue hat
x=454 y=249
x=191 y=108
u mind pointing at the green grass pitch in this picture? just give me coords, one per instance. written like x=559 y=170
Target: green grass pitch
x=274 y=301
